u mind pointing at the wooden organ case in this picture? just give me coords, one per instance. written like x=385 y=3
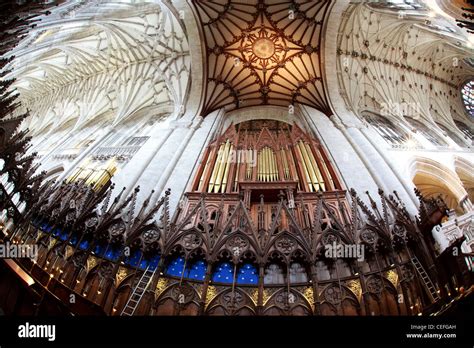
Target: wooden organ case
x=261 y=162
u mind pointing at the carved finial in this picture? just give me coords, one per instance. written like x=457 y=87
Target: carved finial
x=281 y=195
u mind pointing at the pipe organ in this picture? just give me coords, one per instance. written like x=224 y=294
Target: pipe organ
x=258 y=163
x=265 y=152
x=94 y=173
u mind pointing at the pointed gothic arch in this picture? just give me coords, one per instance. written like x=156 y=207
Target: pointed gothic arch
x=434 y=179
x=465 y=171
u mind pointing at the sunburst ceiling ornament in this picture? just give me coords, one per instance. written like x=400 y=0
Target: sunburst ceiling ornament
x=263 y=52
x=263 y=48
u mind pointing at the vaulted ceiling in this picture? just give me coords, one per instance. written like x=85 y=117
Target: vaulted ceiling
x=89 y=62
x=261 y=52
x=403 y=62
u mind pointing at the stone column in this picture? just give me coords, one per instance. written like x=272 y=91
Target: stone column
x=353 y=136
x=159 y=187
x=134 y=169
x=404 y=183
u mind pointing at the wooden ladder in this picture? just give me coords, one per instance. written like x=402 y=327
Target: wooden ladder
x=428 y=284
x=138 y=292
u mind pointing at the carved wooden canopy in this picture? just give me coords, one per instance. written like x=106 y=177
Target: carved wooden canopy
x=262 y=52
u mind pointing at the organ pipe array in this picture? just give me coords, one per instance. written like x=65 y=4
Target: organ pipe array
x=93 y=173
x=265 y=155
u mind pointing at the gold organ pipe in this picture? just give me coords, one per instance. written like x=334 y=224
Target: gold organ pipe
x=309 y=165
x=101 y=180
x=259 y=165
x=249 y=169
x=226 y=170
x=272 y=165
x=97 y=178
x=74 y=175
x=78 y=174
x=103 y=176
x=237 y=170
x=269 y=158
x=305 y=170
x=222 y=164
x=275 y=165
x=108 y=174
x=267 y=165
x=215 y=169
x=89 y=174
x=272 y=169
x=286 y=168
x=264 y=165
x=292 y=164
x=206 y=169
x=326 y=170
x=316 y=167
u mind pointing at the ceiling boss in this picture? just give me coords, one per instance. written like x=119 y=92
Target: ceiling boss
x=263 y=48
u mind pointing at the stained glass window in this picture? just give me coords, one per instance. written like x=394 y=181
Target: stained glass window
x=465 y=129
x=426 y=132
x=467 y=94
x=386 y=129
x=451 y=134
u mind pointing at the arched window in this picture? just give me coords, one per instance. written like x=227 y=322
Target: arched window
x=386 y=129
x=422 y=129
x=452 y=135
x=467 y=94
x=465 y=129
